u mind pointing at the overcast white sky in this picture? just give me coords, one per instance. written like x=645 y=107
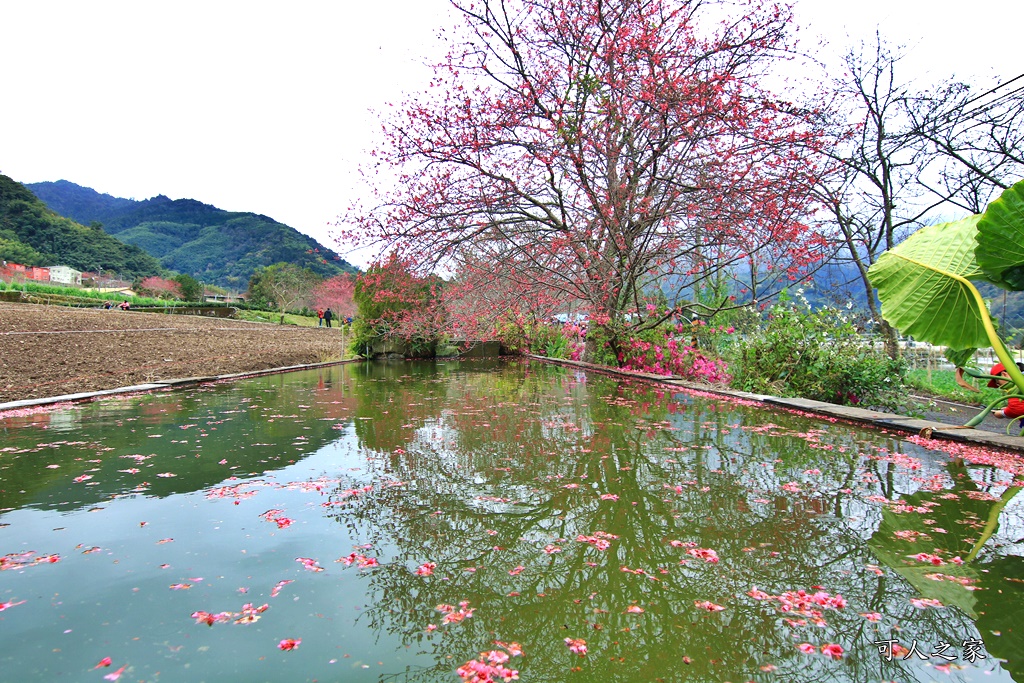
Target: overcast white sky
x=266 y=106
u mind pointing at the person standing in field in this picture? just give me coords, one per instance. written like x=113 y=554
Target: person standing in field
x=320 y=317
x=328 y=316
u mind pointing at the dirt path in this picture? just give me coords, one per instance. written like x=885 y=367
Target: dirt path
x=53 y=350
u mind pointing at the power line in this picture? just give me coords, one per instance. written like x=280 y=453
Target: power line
x=961 y=114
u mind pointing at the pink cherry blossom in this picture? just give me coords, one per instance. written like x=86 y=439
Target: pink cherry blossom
x=577 y=646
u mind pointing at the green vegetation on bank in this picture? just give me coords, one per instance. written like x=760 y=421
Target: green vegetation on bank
x=73 y=296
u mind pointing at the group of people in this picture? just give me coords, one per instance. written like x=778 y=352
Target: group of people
x=326 y=316
x=124 y=305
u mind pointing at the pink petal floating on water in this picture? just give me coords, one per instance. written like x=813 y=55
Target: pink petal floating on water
x=924 y=603
x=832 y=651
x=708 y=605
x=577 y=645
x=114 y=675
x=310 y=564
x=280 y=584
x=289 y=644
x=106 y=661
x=84 y=477
x=9 y=604
x=635 y=609
x=707 y=554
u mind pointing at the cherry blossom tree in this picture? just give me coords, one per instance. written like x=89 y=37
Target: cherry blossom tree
x=160 y=288
x=395 y=304
x=599 y=153
x=336 y=293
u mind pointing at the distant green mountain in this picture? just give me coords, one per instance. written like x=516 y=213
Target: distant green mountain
x=210 y=244
x=34 y=235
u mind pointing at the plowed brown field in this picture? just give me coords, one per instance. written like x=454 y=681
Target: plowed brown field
x=53 y=350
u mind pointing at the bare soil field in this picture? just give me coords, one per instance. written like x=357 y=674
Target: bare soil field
x=53 y=350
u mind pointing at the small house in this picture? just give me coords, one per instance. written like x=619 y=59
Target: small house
x=65 y=275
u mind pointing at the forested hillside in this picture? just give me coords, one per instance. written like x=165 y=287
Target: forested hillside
x=208 y=243
x=33 y=234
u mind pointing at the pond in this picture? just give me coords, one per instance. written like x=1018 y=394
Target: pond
x=391 y=522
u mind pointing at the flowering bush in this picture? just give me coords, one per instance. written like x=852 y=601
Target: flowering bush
x=667 y=351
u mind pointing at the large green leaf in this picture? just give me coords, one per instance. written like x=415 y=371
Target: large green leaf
x=921 y=283
x=1000 y=251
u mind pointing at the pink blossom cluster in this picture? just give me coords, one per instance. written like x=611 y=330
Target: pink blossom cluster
x=599 y=540
x=707 y=605
x=830 y=650
x=426 y=569
x=490 y=666
x=247 y=615
x=289 y=644
x=26 y=559
x=706 y=554
x=309 y=563
x=802 y=603
x=576 y=335
x=577 y=646
x=454 y=615
x=277 y=516
x=672 y=358
x=361 y=561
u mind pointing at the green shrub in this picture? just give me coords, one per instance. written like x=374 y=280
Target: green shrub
x=548 y=340
x=817 y=355
x=513 y=336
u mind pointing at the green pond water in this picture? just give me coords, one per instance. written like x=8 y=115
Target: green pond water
x=401 y=519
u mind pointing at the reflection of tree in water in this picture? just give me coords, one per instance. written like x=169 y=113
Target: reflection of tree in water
x=495 y=467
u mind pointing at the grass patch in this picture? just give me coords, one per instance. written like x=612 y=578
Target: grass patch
x=942 y=384
x=75 y=296
x=275 y=317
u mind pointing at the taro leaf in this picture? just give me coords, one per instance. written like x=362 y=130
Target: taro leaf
x=961 y=357
x=1000 y=251
x=921 y=294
